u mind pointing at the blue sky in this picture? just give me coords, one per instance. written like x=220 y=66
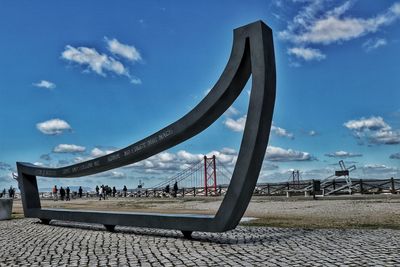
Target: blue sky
x=82 y=79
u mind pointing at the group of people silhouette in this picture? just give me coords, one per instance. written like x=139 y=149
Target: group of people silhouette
x=65 y=194
x=174 y=189
x=102 y=192
x=11 y=192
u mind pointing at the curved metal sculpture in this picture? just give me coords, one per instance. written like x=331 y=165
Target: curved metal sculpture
x=252 y=53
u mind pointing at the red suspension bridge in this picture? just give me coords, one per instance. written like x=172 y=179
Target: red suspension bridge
x=207 y=177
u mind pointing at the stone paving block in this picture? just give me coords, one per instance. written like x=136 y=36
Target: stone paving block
x=27 y=242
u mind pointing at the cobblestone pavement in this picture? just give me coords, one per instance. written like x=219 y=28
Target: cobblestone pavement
x=27 y=242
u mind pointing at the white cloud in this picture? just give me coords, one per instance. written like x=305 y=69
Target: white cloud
x=236 y=125
x=239 y=124
x=5 y=166
x=281 y=132
x=189 y=157
x=45 y=84
x=136 y=81
x=340 y=10
x=281 y=154
x=228 y=158
x=332 y=27
x=97 y=152
x=306 y=53
x=166 y=162
x=127 y=51
x=96 y=62
x=6 y=179
x=371 y=123
x=395 y=9
x=379 y=171
x=116 y=175
x=163 y=160
x=374 y=130
x=165 y=157
x=385 y=137
x=81 y=159
x=101 y=63
x=229 y=151
x=372 y=44
x=232 y=111
x=343 y=154
x=318 y=23
x=54 y=126
x=68 y=148
x=110 y=174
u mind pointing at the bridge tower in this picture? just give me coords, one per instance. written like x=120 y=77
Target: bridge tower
x=296 y=178
x=210 y=175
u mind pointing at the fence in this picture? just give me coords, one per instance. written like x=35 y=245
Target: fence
x=359 y=186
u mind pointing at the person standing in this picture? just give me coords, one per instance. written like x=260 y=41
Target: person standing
x=11 y=192
x=55 y=196
x=97 y=190
x=125 y=190
x=100 y=193
x=175 y=189
x=104 y=191
x=62 y=193
x=114 y=190
x=107 y=191
x=68 y=194
x=166 y=190
x=80 y=192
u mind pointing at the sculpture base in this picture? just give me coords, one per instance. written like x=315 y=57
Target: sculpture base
x=5 y=208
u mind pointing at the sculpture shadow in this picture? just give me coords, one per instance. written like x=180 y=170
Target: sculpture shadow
x=242 y=235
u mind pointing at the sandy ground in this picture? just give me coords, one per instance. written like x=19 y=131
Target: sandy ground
x=372 y=211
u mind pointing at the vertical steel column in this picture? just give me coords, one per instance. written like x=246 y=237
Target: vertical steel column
x=215 y=174
x=205 y=175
